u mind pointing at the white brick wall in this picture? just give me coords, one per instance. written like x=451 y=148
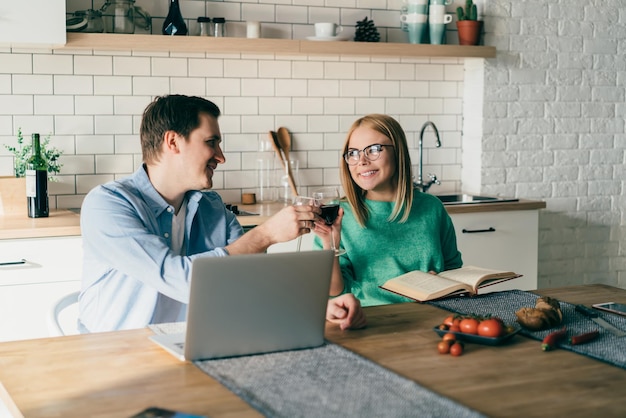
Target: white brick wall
x=91 y=101
x=554 y=130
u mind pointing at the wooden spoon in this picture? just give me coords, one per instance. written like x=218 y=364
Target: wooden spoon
x=284 y=142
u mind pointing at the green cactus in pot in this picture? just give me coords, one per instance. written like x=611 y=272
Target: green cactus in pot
x=470 y=12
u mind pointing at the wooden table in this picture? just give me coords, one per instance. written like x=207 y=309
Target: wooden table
x=120 y=373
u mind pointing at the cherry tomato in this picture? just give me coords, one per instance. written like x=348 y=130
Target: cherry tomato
x=469 y=326
x=449 y=321
x=449 y=337
x=456 y=349
x=454 y=328
x=443 y=327
x=491 y=327
x=443 y=347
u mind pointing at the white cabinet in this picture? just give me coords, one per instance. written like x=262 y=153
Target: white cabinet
x=28 y=291
x=506 y=240
x=32 y=22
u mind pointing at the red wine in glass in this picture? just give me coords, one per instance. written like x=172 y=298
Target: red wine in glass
x=330 y=213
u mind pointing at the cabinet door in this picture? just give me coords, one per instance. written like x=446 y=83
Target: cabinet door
x=37 y=22
x=24 y=308
x=28 y=291
x=500 y=240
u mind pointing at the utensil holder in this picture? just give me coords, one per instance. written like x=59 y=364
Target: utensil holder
x=285 y=193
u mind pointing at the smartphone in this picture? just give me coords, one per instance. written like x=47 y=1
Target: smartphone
x=618 y=308
x=154 y=412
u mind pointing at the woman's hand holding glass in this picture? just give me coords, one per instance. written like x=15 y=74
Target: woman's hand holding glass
x=328 y=199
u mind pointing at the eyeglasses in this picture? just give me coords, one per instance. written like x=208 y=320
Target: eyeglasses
x=371 y=152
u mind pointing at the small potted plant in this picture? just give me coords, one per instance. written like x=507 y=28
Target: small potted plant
x=468 y=24
x=22 y=153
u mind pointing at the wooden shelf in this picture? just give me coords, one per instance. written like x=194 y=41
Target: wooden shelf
x=161 y=43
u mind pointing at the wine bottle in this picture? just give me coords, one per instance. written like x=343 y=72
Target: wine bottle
x=174 y=23
x=37 y=182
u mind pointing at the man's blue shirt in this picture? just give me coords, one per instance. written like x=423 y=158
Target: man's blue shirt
x=131 y=277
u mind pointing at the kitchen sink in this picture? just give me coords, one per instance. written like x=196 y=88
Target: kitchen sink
x=462 y=199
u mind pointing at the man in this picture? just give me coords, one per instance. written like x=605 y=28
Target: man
x=141 y=233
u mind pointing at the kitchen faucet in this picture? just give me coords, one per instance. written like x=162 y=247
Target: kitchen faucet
x=433 y=178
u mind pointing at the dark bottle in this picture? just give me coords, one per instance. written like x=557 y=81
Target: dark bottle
x=37 y=182
x=174 y=23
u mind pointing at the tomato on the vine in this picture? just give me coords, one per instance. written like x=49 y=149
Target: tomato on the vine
x=469 y=325
x=491 y=327
x=452 y=320
x=456 y=349
x=443 y=347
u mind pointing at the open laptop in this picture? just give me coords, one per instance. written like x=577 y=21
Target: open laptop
x=252 y=304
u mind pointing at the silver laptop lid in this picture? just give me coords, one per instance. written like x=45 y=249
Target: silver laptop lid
x=258 y=303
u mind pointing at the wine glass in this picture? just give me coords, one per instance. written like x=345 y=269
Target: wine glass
x=302 y=201
x=328 y=200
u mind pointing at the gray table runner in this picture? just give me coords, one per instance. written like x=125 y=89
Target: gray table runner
x=606 y=347
x=326 y=381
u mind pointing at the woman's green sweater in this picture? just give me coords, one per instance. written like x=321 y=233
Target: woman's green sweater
x=382 y=250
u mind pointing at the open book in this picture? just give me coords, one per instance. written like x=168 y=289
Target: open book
x=422 y=286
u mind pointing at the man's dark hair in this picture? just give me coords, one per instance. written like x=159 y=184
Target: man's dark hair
x=175 y=112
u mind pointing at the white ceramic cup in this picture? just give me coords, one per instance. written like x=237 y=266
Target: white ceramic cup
x=414 y=18
x=415 y=6
x=253 y=29
x=327 y=29
x=437 y=9
x=439 y=19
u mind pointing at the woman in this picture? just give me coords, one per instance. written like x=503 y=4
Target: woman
x=386 y=226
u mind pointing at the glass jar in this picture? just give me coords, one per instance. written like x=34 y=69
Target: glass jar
x=219 y=27
x=205 y=25
x=121 y=16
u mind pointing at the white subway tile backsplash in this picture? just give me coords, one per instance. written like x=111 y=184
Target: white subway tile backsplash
x=84 y=183
x=328 y=123
x=32 y=84
x=291 y=88
x=291 y=14
x=95 y=65
x=94 y=105
x=118 y=163
x=339 y=106
x=385 y=89
x=275 y=106
x=94 y=144
x=151 y=86
x=206 y=67
x=241 y=105
x=52 y=64
x=127 y=144
x=74 y=125
x=113 y=124
x=169 y=67
x=308 y=106
x=16 y=63
x=5 y=84
x=366 y=105
x=73 y=84
x=223 y=87
x=240 y=68
x=130 y=105
x=54 y=105
x=78 y=164
x=16 y=104
x=188 y=86
x=370 y=71
x=131 y=66
x=257 y=87
x=310 y=69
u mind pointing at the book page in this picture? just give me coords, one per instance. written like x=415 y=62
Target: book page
x=422 y=286
x=472 y=275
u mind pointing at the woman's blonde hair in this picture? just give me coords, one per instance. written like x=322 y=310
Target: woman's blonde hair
x=402 y=178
